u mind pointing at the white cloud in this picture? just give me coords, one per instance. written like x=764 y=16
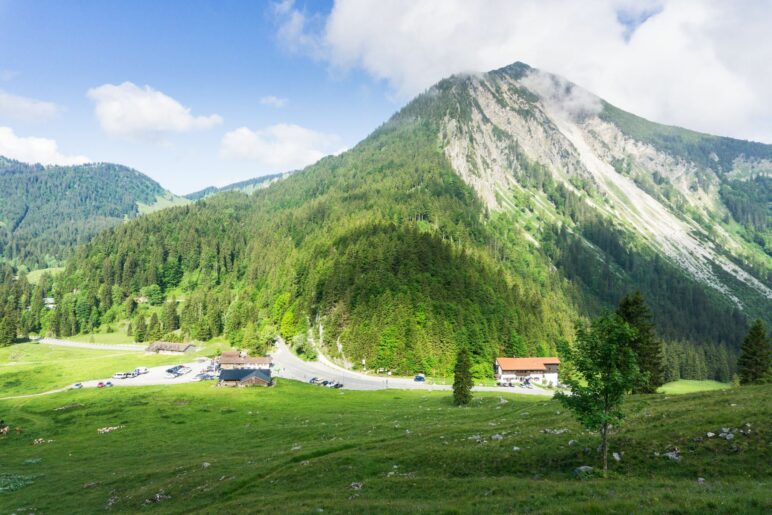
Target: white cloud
x=23 y=108
x=703 y=64
x=128 y=111
x=278 y=147
x=34 y=150
x=273 y=101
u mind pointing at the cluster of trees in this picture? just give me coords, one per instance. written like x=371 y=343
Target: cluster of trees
x=46 y=211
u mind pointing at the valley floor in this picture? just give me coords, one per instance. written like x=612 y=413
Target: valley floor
x=194 y=448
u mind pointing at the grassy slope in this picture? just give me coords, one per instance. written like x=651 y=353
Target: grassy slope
x=298 y=448
x=692 y=386
x=34 y=276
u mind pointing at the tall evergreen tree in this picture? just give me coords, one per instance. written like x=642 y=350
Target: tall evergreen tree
x=648 y=349
x=154 y=331
x=755 y=360
x=7 y=329
x=170 y=318
x=140 y=330
x=462 y=379
x=516 y=347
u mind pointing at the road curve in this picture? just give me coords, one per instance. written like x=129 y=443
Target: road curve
x=287 y=365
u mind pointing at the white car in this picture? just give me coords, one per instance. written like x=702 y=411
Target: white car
x=120 y=375
x=141 y=370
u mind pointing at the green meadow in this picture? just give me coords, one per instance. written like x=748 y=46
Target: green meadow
x=196 y=448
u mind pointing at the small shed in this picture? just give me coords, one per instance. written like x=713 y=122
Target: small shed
x=170 y=348
x=245 y=377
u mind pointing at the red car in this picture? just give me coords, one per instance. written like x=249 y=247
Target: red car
x=100 y=384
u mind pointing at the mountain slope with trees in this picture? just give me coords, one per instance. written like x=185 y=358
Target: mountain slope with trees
x=483 y=215
x=45 y=211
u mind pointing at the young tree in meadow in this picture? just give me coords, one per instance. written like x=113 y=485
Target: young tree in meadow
x=462 y=379
x=606 y=371
x=753 y=366
x=648 y=349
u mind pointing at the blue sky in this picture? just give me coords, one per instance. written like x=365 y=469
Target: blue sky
x=212 y=57
x=197 y=93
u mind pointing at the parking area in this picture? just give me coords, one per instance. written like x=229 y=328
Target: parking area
x=186 y=373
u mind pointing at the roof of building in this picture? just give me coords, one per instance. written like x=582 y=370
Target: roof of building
x=170 y=347
x=526 y=363
x=242 y=374
x=234 y=358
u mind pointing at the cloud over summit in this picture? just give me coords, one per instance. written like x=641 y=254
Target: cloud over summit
x=695 y=63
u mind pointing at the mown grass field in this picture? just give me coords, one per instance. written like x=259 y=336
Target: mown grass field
x=299 y=448
x=683 y=386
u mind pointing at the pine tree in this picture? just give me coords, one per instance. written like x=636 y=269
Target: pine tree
x=170 y=318
x=140 y=331
x=7 y=329
x=462 y=379
x=648 y=349
x=517 y=347
x=154 y=331
x=753 y=366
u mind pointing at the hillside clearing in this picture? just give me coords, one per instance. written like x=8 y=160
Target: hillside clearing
x=692 y=386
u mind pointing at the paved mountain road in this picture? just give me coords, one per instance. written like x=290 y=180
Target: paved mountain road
x=287 y=365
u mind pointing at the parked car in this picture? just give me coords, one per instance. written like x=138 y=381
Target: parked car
x=100 y=384
x=420 y=378
x=108 y=384
x=314 y=380
x=119 y=375
x=338 y=385
x=78 y=385
x=141 y=370
x=184 y=370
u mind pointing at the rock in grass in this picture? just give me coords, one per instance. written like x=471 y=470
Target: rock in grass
x=571 y=443
x=497 y=437
x=674 y=455
x=205 y=465
x=515 y=448
x=356 y=486
x=584 y=472
x=616 y=456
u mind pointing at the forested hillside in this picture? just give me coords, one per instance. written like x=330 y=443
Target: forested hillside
x=47 y=211
x=247 y=186
x=479 y=215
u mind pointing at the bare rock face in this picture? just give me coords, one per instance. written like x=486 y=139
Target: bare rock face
x=516 y=122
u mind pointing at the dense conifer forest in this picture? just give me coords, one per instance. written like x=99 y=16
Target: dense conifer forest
x=46 y=211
